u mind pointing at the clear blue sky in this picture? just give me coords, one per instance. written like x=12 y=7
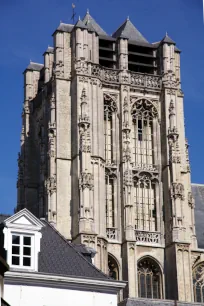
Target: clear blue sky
x=26 y=27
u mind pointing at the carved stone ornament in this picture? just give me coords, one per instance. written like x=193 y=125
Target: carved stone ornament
x=169 y=80
x=20 y=171
x=171 y=92
x=183 y=247
x=83 y=79
x=128 y=178
x=86 y=181
x=147 y=237
x=111 y=233
x=52 y=101
x=96 y=70
x=88 y=239
x=131 y=246
x=81 y=66
x=143 y=107
x=174 y=153
x=51 y=184
x=111 y=170
x=110 y=75
x=58 y=70
x=191 y=201
x=145 y=167
x=98 y=161
x=194 y=258
x=102 y=243
x=125 y=88
x=177 y=191
x=147 y=81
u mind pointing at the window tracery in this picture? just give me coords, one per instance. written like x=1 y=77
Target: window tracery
x=149 y=279
x=145 y=203
x=143 y=113
x=198 y=283
x=113 y=268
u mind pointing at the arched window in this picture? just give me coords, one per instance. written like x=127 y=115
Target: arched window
x=143 y=113
x=149 y=279
x=198 y=283
x=145 y=203
x=109 y=112
x=113 y=267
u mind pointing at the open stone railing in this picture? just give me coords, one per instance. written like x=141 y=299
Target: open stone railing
x=147 y=237
x=145 y=80
x=133 y=78
x=111 y=233
x=145 y=167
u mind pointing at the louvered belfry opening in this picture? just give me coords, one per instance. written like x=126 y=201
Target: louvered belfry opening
x=107 y=53
x=141 y=59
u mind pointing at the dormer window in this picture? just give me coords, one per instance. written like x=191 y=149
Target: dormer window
x=22 y=235
x=21 y=253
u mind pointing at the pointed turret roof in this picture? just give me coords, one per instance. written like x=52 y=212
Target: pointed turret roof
x=92 y=25
x=80 y=24
x=128 y=30
x=168 y=40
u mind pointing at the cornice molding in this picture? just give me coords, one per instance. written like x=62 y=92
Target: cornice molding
x=75 y=283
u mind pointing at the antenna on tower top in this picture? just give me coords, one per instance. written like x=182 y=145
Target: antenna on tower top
x=73 y=13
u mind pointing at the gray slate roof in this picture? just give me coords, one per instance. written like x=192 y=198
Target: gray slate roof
x=64 y=27
x=198 y=194
x=128 y=30
x=50 y=50
x=35 y=66
x=80 y=24
x=168 y=40
x=58 y=256
x=92 y=25
x=3 y=217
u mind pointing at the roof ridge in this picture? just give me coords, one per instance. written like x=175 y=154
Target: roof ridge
x=67 y=242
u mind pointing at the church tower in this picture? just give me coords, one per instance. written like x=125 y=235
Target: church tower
x=104 y=155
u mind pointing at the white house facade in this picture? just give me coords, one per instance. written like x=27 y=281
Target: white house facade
x=47 y=270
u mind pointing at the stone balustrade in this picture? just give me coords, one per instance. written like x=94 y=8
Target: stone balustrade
x=145 y=237
x=133 y=78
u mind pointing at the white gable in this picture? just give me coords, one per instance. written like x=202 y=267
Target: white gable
x=22 y=219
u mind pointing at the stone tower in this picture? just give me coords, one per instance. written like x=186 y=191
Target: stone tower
x=104 y=155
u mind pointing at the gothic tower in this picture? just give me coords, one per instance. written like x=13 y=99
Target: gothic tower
x=104 y=155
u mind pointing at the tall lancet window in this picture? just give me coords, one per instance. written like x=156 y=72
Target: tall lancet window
x=143 y=114
x=110 y=203
x=109 y=126
x=145 y=203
